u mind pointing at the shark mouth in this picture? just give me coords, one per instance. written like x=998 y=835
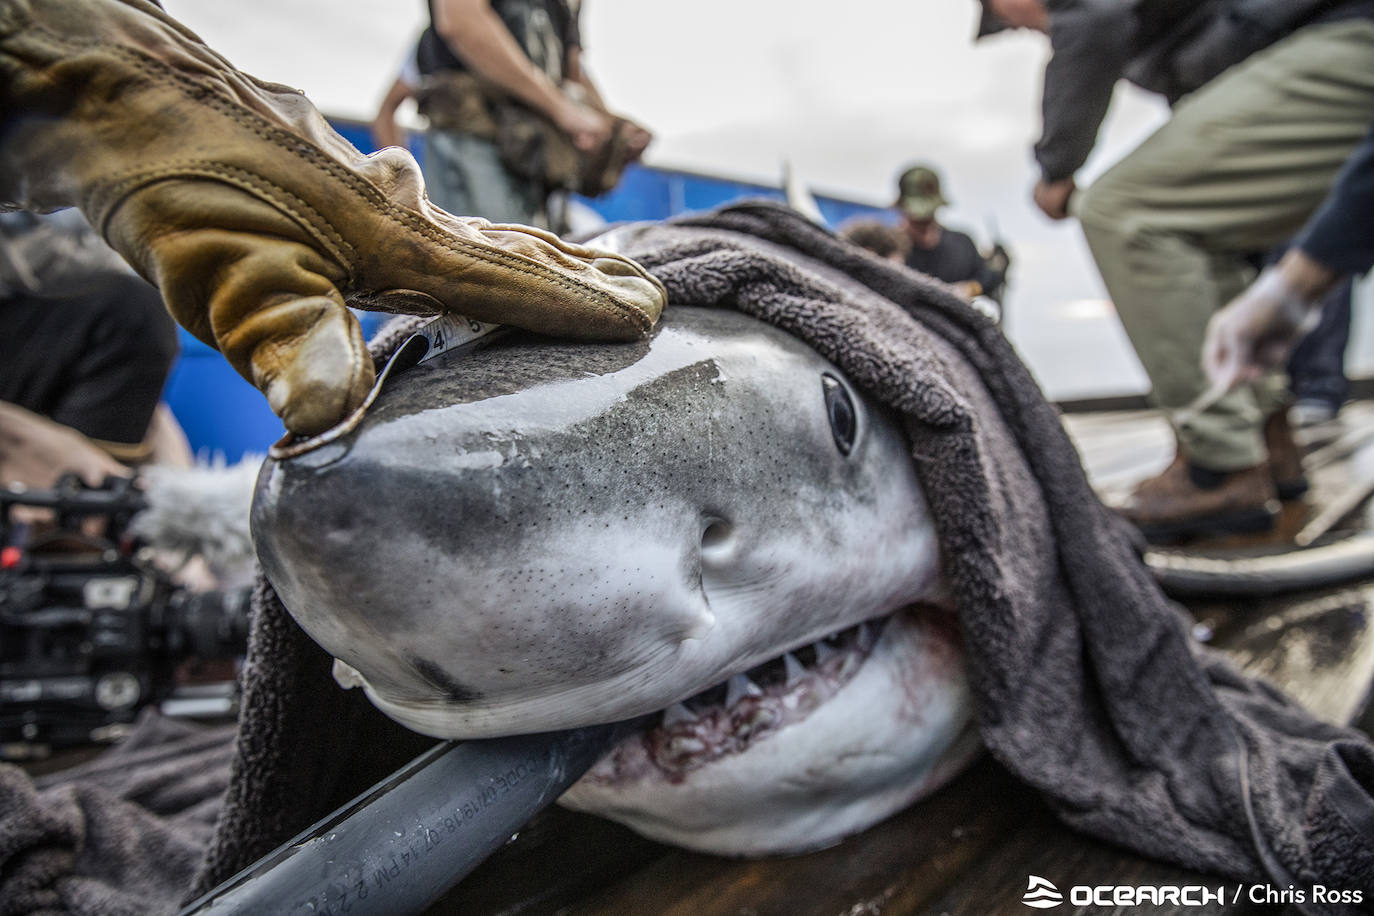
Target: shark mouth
x=729 y=717
x=799 y=752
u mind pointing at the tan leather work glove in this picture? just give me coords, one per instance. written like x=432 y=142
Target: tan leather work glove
x=255 y=219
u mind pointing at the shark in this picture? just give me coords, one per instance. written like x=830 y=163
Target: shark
x=713 y=530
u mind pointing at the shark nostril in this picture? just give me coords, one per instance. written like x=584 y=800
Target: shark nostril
x=717 y=538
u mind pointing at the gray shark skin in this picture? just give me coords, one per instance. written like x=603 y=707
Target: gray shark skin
x=538 y=535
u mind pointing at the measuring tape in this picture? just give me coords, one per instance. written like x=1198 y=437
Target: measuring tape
x=455 y=332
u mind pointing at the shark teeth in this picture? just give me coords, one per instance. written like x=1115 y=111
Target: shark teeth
x=727 y=718
x=759 y=720
x=681 y=747
x=834 y=657
x=852 y=643
x=740 y=687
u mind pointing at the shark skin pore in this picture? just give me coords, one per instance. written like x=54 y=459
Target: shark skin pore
x=712 y=524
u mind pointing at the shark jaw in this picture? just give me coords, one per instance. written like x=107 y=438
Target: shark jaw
x=822 y=742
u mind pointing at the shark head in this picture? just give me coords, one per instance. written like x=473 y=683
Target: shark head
x=713 y=526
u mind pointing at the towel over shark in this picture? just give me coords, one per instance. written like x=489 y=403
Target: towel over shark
x=712 y=525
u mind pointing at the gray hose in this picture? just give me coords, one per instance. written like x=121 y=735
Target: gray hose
x=399 y=846
x=1183 y=575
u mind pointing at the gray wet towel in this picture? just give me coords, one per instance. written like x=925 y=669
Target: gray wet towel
x=123 y=834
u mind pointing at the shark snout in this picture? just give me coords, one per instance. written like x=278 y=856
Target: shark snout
x=475 y=583
x=540 y=535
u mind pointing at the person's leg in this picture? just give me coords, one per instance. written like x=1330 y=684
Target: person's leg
x=464 y=175
x=1317 y=366
x=1238 y=168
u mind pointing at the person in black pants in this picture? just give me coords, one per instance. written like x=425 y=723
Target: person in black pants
x=83 y=341
x=1316 y=370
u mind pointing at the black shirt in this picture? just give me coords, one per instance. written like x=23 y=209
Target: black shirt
x=955 y=259
x=544 y=30
x=1340 y=234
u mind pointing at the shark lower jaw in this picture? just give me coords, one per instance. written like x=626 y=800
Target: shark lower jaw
x=732 y=717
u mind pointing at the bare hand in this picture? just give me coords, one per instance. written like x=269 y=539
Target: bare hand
x=35 y=452
x=637 y=139
x=1052 y=197
x=586 y=127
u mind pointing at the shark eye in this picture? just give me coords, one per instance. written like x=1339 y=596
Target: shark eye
x=840 y=409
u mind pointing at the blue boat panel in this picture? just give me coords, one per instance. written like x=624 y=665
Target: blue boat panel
x=360 y=135
x=223 y=416
x=838 y=212
x=643 y=194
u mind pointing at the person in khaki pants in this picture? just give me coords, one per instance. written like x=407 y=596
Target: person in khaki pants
x=1270 y=98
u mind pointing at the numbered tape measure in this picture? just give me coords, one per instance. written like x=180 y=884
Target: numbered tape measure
x=455 y=332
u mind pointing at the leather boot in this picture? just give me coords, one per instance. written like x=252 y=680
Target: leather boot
x=1285 y=461
x=1173 y=507
x=255 y=219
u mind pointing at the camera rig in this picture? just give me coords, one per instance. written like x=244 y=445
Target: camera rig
x=92 y=630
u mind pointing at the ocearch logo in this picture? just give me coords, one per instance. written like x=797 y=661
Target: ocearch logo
x=1041 y=894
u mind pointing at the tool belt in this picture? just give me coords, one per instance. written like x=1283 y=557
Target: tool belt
x=530 y=145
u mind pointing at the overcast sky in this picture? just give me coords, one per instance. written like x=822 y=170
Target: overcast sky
x=848 y=92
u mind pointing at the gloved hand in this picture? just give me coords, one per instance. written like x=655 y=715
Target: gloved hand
x=1256 y=331
x=255 y=219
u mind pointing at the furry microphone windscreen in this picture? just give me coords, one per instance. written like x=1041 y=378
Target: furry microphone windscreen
x=203 y=511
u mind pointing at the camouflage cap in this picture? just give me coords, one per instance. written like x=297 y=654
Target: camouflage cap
x=918 y=192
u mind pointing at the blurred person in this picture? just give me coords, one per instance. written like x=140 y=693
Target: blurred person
x=85 y=353
x=85 y=343
x=35 y=452
x=1255 y=332
x=935 y=249
x=255 y=220
x=1316 y=368
x=386 y=131
x=875 y=236
x=1270 y=97
x=512 y=113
